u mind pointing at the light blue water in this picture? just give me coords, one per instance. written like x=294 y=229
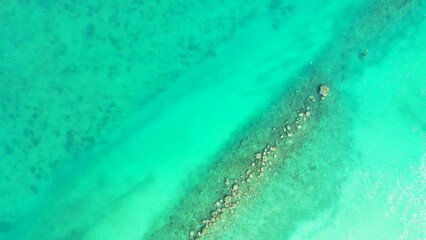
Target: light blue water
x=121 y=120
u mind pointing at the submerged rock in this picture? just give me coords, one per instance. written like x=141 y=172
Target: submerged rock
x=323 y=90
x=226 y=181
x=214 y=214
x=204 y=231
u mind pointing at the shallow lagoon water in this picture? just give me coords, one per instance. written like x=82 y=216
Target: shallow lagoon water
x=120 y=121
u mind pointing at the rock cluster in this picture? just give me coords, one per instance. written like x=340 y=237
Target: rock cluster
x=226 y=204
x=262 y=161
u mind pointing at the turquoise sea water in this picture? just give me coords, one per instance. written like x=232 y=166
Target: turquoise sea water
x=122 y=120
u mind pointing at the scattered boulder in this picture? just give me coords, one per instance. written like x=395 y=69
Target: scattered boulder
x=204 y=231
x=206 y=221
x=323 y=90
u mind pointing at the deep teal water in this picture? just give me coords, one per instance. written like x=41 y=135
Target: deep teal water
x=121 y=120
